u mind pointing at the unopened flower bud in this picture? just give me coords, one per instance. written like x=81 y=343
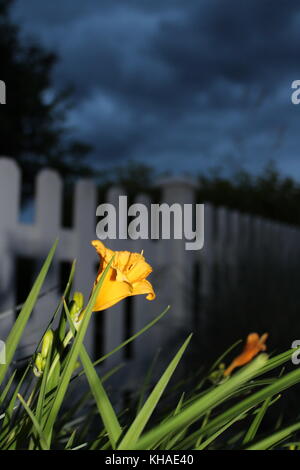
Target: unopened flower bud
x=38 y=365
x=78 y=299
x=76 y=305
x=47 y=342
x=73 y=310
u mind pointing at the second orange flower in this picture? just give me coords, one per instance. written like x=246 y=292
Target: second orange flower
x=253 y=346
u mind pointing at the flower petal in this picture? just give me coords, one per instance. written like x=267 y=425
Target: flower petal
x=144 y=287
x=111 y=292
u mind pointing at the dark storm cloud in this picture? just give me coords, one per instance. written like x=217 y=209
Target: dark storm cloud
x=186 y=84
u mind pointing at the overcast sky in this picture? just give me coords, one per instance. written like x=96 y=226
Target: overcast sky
x=183 y=85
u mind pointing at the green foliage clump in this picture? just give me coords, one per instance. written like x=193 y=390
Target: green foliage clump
x=213 y=413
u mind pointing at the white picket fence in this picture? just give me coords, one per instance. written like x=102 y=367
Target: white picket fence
x=228 y=236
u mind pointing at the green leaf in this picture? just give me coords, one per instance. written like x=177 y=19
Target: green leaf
x=214 y=436
x=220 y=359
x=62 y=322
x=20 y=323
x=7 y=387
x=147 y=381
x=104 y=405
x=200 y=406
x=138 y=425
x=254 y=399
x=38 y=429
x=275 y=438
x=72 y=358
x=276 y=387
x=10 y=408
x=251 y=433
x=43 y=389
x=132 y=338
x=71 y=440
x=171 y=439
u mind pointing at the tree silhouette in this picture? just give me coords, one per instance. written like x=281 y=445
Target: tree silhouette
x=32 y=124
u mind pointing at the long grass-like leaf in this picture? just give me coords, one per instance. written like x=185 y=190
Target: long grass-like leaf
x=20 y=323
x=138 y=425
x=251 y=433
x=133 y=337
x=104 y=405
x=220 y=431
x=37 y=427
x=275 y=438
x=200 y=406
x=72 y=358
x=255 y=399
x=7 y=387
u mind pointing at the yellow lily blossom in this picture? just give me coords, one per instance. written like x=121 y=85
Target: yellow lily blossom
x=126 y=276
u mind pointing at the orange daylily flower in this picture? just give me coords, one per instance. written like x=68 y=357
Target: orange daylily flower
x=253 y=346
x=126 y=276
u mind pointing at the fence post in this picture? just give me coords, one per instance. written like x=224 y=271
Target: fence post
x=178 y=284
x=9 y=209
x=40 y=237
x=222 y=253
x=244 y=246
x=146 y=345
x=245 y=234
x=115 y=316
x=206 y=257
x=87 y=259
x=233 y=245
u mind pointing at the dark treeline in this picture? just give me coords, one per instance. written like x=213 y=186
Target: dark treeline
x=268 y=194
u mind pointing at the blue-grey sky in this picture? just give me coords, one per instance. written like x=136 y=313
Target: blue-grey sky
x=182 y=85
